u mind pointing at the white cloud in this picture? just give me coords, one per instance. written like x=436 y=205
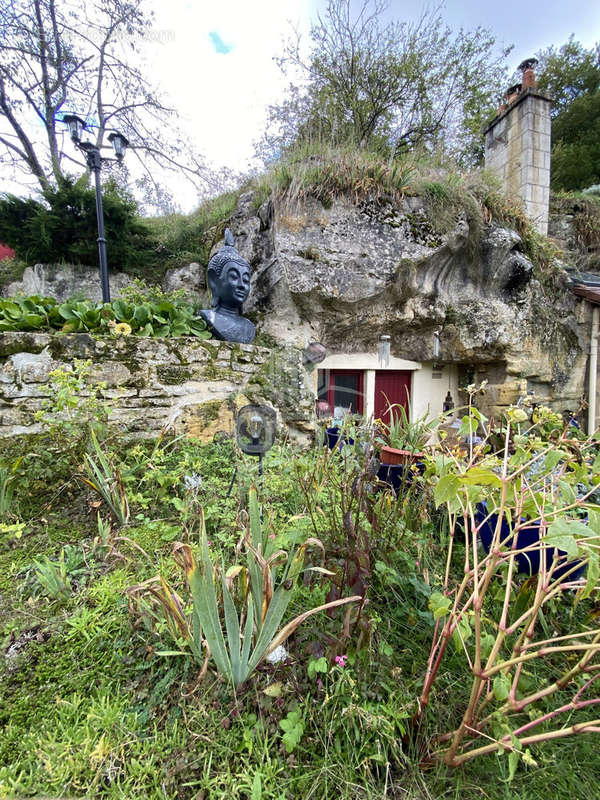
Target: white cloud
x=222 y=98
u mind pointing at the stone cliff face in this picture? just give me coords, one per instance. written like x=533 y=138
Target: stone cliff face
x=347 y=274
x=344 y=275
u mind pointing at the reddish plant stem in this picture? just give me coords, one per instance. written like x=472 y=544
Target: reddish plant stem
x=592 y=726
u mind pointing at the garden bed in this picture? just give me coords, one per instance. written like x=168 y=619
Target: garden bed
x=107 y=690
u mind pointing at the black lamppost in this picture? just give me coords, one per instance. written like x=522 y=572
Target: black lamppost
x=94 y=161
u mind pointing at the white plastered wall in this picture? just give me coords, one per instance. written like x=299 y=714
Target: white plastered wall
x=428 y=391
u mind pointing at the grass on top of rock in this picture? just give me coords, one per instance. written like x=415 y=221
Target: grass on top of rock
x=110 y=690
x=450 y=194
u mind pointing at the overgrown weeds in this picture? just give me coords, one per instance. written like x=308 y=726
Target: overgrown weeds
x=238 y=638
x=363 y=699
x=330 y=173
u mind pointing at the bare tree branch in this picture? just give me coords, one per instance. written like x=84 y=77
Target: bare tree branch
x=69 y=55
x=374 y=83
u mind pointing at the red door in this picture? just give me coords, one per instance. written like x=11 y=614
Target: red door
x=391 y=386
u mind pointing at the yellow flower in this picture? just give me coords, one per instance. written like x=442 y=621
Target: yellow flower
x=122 y=329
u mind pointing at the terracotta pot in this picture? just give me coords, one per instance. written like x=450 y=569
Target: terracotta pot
x=391 y=455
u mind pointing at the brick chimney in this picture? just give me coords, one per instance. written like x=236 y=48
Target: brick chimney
x=512 y=93
x=527 y=68
x=517 y=146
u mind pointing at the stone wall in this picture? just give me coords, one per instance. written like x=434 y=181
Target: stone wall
x=517 y=149
x=189 y=385
x=64 y=281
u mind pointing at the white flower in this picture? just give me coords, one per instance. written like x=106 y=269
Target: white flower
x=278 y=655
x=192 y=482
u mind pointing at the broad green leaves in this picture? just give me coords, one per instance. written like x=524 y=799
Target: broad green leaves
x=440 y=605
x=563 y=534
x=151 y=317
x=446 y=489
x=472 y=481
x=29 y=313
x=501 y=687
x=293 y=727
x=316 y=665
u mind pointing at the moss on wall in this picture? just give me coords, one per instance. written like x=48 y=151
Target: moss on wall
x=173 y=375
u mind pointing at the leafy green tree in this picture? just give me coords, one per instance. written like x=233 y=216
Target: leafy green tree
x=64 y=227
x=568 y=73
x=571 y=76
x=385 y=86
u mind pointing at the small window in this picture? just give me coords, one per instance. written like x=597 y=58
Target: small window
x=341 y=388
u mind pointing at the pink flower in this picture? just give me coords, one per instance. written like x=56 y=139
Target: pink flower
x=271 y=536
x=341 y=660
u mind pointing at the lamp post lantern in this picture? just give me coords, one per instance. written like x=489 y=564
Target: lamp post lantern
x=94 y=161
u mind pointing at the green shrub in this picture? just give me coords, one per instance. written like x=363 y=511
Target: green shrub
x=63 y=227
x=183 y=238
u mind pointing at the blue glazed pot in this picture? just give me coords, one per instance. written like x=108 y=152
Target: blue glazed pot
x=528 y=562
x=333 y=435
x=333 y=438
x=393 y=475
x=398 y=475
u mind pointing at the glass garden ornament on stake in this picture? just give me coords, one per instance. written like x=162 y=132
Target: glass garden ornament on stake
x=383 y=350
x=255 y=430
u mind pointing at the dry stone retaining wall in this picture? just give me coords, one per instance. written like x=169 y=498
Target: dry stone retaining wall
x=190 y=385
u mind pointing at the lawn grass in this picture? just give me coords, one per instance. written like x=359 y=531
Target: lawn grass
x=90 y=707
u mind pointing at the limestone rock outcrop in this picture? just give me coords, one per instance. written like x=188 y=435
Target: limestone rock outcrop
x=346 y=274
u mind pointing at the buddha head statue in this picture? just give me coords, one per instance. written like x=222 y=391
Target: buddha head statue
x=228 y=277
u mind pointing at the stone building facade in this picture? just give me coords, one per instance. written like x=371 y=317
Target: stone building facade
x=517 y=147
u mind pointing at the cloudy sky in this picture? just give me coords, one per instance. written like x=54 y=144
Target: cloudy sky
x=214 y=58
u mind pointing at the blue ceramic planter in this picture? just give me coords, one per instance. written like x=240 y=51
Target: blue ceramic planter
x=333 y=438
x=398 y=475
x=528 y=562
x=333 y=435
x=393 y=475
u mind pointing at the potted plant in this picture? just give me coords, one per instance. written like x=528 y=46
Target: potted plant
x=405 y=440
x=340 y=429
